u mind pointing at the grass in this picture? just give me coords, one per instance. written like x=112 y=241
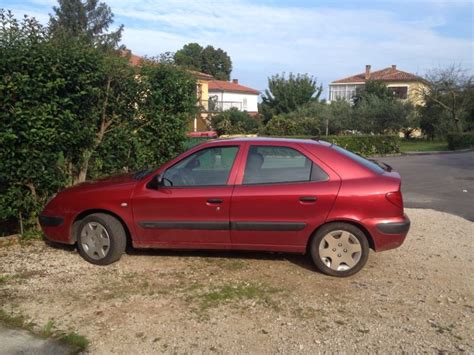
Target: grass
x=76 y=341
x=421 y=145
x=225 y=293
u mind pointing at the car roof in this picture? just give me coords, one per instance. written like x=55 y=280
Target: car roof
x=269 y=139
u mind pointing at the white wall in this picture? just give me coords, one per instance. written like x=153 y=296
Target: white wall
x=235 y=99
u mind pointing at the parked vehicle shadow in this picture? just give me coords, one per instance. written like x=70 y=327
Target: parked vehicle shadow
x=300 y=260
x=303 y=261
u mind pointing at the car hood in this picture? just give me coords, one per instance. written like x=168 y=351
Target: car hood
x=123 y=181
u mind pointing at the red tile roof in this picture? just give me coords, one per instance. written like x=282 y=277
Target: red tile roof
x=222 y=85
x=200 y=75
x=136 y=60
x=387 y=74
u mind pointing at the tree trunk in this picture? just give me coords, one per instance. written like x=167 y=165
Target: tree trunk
x=104 y=125
x=34 y=218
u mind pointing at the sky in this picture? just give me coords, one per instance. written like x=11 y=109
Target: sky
x=326 y=39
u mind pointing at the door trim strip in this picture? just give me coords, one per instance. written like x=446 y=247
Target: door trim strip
x=219 y=225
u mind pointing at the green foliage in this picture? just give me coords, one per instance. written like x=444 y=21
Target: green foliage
x=73 y=111
x=233 y=121
x=87 y=20
x=373 y=88
x=285 y=95
x=460 y=140
x=75 y=340
x=215 y=62
x=365 y=145
x=378 y=115
x=368 y=144
x=284 y=125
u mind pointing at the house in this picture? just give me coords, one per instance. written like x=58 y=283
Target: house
x=224 y=95
x=406 y=86
x=198 y=123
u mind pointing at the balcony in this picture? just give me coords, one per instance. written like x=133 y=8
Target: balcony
x=219 y=106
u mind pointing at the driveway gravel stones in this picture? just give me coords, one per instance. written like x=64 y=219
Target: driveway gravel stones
x=415 y=298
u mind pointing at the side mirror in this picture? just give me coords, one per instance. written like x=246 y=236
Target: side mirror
x=156 y=182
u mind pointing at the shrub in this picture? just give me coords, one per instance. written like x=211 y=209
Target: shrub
x=282 y=125
x=363 y=145
x=460 y=140
x=367 y=145
x=233 y=121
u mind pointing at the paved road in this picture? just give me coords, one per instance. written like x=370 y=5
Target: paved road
x=19 y=341
x=443 y=182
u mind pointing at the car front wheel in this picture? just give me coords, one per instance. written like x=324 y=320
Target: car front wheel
x=339 y=249
x=101 y=239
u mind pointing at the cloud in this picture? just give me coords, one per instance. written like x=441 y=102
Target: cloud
x=329 y=41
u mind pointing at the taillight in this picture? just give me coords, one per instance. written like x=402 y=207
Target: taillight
x=395 y=198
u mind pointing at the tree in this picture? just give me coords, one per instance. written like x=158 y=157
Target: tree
x=373 y=88
x=285 y=95
x=233 y=121
x=89 y=20
x=208 y=60
x=449 y=95
x=378 y=115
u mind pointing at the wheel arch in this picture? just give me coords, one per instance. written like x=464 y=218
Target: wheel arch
x=357 y=224
x=84 y=214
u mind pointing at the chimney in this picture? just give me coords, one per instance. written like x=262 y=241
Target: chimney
x=367 y=72
x=394 y=67
x=235 y=81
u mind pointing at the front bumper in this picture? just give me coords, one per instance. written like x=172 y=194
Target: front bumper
x=56 y=228
x=387 y=233
x=50 y=221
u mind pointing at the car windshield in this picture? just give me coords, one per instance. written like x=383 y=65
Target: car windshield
x=373 y=166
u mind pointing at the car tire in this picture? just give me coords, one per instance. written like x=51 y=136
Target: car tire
x=101 y=239
x=339 y=249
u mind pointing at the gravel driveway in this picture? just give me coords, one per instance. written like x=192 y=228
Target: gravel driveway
x=415 y=298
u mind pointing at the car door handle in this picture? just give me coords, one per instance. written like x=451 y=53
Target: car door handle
x=308 y=198
x=215 y=201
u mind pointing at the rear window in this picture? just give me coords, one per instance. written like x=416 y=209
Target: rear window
x=359 y=159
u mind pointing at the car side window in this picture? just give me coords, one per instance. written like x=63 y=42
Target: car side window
x=277 y=164
x=207 y=167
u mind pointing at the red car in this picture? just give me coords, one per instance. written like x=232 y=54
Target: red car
x=280 y=195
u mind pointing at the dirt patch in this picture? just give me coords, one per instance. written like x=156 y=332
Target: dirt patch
x=415 y=298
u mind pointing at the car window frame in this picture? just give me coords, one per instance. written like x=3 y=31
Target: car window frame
x=244 y=165
x=192 y=152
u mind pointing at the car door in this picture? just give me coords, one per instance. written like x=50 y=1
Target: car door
x=279 y=199
x=190 y=208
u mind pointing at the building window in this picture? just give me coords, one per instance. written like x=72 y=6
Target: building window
x=244 y=103
x=343 y=92
x=400 y=92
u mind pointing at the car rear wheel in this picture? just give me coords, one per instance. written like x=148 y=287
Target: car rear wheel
x=101 y=239
x=339 y=249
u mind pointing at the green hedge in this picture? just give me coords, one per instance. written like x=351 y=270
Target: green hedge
x=194 y=141
x=460 y=140
x=363 y=145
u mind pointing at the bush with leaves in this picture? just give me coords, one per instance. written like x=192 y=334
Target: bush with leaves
x=233 y=121
x=72 y=111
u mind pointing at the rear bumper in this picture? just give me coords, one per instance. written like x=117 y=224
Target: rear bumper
x=394 y=227
x=387 y=233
